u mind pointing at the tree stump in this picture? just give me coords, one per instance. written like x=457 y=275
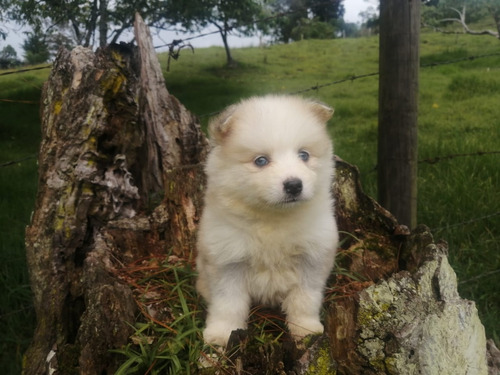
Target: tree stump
x=121 y=180
x=112 y=136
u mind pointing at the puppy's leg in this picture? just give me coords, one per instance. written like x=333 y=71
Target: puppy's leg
x=302 y=307
x=228 y=307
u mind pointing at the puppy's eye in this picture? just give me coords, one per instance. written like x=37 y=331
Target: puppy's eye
x=303 y=155
x=261 y=161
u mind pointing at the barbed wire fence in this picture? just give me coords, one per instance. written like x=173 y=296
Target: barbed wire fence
x=18 y=71
x=316 y=87
x=177 y=45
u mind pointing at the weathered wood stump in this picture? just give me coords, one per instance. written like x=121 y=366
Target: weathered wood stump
x=111 y=137
x=121 y=179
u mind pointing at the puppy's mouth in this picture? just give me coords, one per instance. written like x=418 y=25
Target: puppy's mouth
x=291 y=200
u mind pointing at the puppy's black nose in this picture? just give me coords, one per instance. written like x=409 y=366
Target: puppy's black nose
x=293 y=187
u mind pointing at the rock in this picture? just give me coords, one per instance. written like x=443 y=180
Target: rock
x=418 y=324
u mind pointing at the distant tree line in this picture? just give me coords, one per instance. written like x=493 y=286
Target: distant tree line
x=56 y=23
x=98 y=22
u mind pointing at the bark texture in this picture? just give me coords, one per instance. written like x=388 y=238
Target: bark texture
x=107 y=122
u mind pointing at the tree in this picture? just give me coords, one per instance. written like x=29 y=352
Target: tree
x=326 y=11
x=92 y=22
x=464 y=13
x=36 y=48
x=3 y=32
x=8 y=57
x=228 y=16
x=307 y=19
x=370 y=16
x=77 y=16
x=292 y=11
x=312 y=29
x=370 y=19
x=89 y=22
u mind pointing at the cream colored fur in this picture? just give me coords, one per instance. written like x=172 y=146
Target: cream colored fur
x=257 y=243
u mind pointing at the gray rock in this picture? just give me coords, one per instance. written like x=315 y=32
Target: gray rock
x=418 y=324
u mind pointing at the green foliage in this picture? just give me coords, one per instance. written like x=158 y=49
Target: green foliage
x=312 y=29
x=19 y=140
x=8 y=57
x=306 y=19
x=370 y=19
x=326 y=11
x=167 y=349
x=230 y=14
x=86 y=20
x=36 y=49
x=460 y=15
x=227 y=16
x=466 y=86
x=475 y=9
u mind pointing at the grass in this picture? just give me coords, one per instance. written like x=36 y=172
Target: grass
x=458 y=114
x=169 y=340
x=19 y=139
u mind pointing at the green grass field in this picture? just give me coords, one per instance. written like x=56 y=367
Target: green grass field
x=19 y=139
x=459 y=197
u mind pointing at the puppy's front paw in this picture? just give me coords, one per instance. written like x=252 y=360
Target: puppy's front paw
x=300 y=328
x=218 y=333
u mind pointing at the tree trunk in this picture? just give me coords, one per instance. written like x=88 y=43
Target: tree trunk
x=495 y=13
x=229 y=57
x=90 y=27
x=103 y=23
x=398 y=106
x=107 y=121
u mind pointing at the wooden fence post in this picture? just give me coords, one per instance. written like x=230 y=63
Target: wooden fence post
x=398 y=106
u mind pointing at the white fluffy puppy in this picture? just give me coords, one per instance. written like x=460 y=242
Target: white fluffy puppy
x=267 y=234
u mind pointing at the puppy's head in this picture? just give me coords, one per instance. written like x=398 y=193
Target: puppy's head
x=271 y=151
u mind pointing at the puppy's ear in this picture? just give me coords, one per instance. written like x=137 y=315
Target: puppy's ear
x=219 y=127
x=321 y=111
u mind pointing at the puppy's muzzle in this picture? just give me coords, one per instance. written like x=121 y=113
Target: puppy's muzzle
x=292 y=187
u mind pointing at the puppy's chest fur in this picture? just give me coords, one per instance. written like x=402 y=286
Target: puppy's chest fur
x=274 y=262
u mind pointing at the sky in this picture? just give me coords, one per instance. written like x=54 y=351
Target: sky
x=352 y=9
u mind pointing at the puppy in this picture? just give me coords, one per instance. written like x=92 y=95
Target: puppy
x=267 y=233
